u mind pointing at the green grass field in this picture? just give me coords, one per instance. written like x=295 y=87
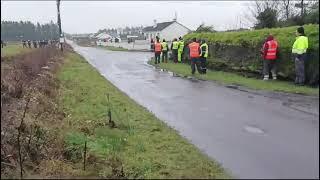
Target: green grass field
x=232 y=78
x=141 y=145
x=13 y=49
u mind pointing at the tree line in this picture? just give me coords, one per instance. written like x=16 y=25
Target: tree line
x=280 y=13
x=283 y=13
x=26 y=30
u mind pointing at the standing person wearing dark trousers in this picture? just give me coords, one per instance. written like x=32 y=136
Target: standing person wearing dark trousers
x=269 y=53
x=204 y=54
x=157 y=51
x=194 y=53
x=164 y=46
x=29 y=43
x=174 y=49
x=299 y=51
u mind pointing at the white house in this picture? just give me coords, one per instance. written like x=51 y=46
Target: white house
x=103 y=38
x=165 y=30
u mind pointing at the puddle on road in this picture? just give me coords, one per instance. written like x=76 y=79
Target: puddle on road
x=151 y=81
x=232 y=86
x=253 y=130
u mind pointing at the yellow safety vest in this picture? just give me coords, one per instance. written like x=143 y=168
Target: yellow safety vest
x=300 y=46
x=164 y=46
x=175 y=45
x=206 y=51
x=181 y=45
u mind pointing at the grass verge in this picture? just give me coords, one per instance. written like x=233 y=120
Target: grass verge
x=232 y=78
x=113 y=48
x=13 y=49
x=140 y=146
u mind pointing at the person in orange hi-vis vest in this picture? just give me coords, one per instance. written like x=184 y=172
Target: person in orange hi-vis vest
x=269 y=53
x=194 y=54
x=157 y=51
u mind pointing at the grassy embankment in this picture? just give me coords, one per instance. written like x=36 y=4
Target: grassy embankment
x=140 y=146
x=285 y=36
x=13 y=49
x=232 y=78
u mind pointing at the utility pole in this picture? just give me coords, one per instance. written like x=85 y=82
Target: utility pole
x=59 y=24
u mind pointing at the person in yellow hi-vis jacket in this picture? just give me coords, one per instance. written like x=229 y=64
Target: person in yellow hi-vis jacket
x=164 y=48
x=174 y=49
x=180 y=49
x=203 y=56
x=299 y=51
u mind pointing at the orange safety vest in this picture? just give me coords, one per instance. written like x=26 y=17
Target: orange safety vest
x=157 y=47
x=272 y=50
x=194 y=50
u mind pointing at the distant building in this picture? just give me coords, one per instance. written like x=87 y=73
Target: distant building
x=103 y=38
x=167 y=30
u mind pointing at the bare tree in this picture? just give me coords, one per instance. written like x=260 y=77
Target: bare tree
x=257 y=7
x=285 y=8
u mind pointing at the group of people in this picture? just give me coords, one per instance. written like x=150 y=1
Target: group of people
x=198 y=53
x=270 y=51
x=36 y=44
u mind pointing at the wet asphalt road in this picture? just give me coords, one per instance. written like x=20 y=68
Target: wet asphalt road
x=251 y=135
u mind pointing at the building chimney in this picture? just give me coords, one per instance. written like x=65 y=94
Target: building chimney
x=175 y=16
x=154 y=23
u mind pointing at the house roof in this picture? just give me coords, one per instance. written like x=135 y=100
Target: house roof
x=159 y=27
x=103 y=36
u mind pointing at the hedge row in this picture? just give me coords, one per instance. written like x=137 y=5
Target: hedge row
x=240 y=50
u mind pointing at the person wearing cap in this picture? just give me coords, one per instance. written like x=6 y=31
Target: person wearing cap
x=299 y=51
x=269 y=54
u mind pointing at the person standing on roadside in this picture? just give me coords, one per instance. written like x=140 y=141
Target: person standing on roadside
x=164 y=47
x=152 y=44
x=194 y=53
x=299 y=51
x=157 y=51
x=204 y=55
x=29 y=43
x=180 y=49
x=269 y=54
x=174 y=49
x=34 y=43
x=24 y=44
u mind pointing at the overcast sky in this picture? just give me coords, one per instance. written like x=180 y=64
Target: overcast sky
x=89 y=16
